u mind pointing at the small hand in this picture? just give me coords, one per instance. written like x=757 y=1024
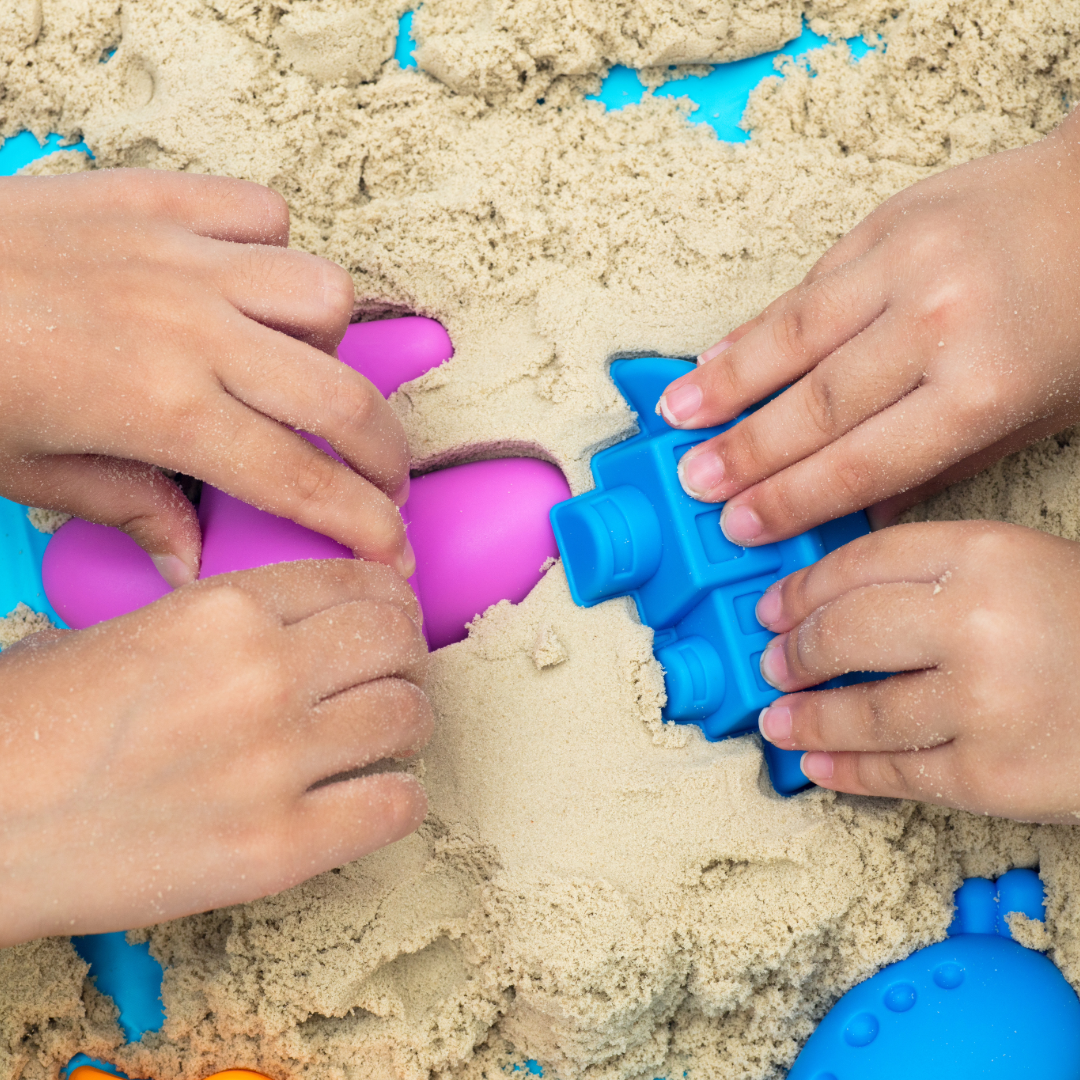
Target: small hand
x=982 y=621
x=158 y=319
x=939 y=335
x=175 y=759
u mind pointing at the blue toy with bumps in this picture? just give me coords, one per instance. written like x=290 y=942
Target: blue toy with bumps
x=977 y=1006
x=639 y=534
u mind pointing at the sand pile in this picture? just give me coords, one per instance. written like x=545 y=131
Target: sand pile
x=611 y=897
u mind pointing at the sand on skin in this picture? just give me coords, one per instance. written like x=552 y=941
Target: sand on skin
x=613 y=897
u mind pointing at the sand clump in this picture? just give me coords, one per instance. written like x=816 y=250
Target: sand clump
x=612 y=896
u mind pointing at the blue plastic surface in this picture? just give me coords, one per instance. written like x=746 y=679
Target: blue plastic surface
x=978 y=1006
x=130 y=976
x=21 y=547
x=403 y=49
x=722 y=95
x=639 y=534
x=23 y=148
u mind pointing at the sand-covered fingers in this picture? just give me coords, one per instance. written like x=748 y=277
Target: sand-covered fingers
x=186 y=740
x=218 y=207
x=894 y=627
x=844 y=389
x=353 y=643
x=909 y=711
x=914 y=553
x=301 y=295
x=295 y=591
x=272 y=467
x=383 y=718
x=129 y=495
x=795 y=332
x=919 y=436
x=332 y=825
x=981 y=620
x=297 y=385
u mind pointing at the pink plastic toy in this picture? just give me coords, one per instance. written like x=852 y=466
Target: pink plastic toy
x=480 y=531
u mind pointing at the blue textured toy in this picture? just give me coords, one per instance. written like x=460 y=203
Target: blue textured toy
x=977 y=1005
x=639 y=534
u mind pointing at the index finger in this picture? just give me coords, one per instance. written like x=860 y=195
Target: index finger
x=218 y=207
x=795 y=332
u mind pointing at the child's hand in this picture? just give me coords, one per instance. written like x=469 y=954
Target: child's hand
x=942 y=333
x=985 y=618
x=154 y=318
x=169 y=761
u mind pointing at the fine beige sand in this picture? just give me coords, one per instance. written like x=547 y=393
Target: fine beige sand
x=612 y=897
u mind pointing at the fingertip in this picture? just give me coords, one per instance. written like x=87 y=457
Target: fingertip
x=701 y=471
x=817 y=766
x=771 y=606
x=406 y=805
x=406 y=562
x=714 y=351
x=175 y=570
x=773 y=663
x=741 y=525
x=775 y=724
x=680 y=402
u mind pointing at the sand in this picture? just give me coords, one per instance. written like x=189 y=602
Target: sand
x=613 y=897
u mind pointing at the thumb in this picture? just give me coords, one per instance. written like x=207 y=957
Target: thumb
x=133 y=496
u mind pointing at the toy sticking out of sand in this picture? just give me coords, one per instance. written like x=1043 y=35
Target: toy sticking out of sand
x=611 y=896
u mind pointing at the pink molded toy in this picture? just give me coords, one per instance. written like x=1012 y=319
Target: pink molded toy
x=480 y=531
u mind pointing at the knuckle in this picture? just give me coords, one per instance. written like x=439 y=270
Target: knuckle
x=743 y=451
x=882 y=774
x=352 y=403
x=933 y=243
x=820 y=402
x=779 y=501
x=854 y=478
x=789 y=332
x=313 y=481
x=228 y=607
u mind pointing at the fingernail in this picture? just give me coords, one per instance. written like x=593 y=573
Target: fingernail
x=817 y=765
x=700 y=472
x=713 y=351
x=174 y=570
x=773 y=664
x=740 y=524
x=769 y=606
x=402 y=494
x=407 y=562
x=679 y=403
x=774 y=723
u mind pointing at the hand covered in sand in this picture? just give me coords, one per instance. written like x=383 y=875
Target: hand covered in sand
x=158 y=319
x=982 y=621
x=940 y=334
x=174 y=759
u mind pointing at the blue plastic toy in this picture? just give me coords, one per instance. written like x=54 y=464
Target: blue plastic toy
x=722 y=95
x=977 y=1005
x=639 y=534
